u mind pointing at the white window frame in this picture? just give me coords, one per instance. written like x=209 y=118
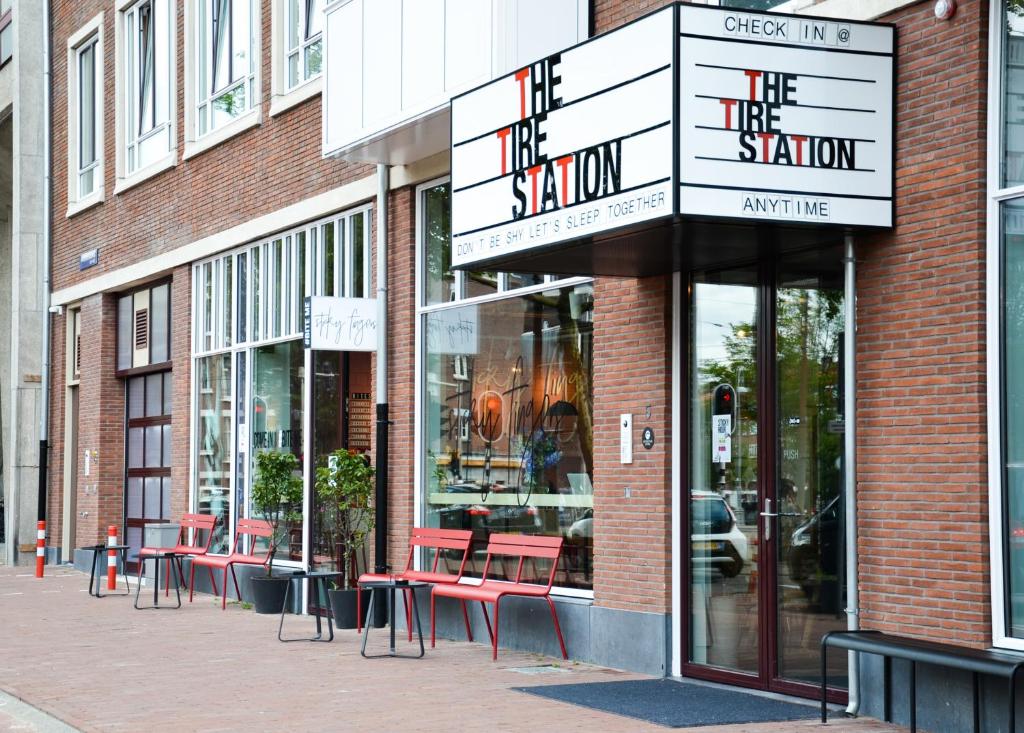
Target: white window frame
x=994 y=334
x=291 y=329
x=502 y=293
x=127 y=179
x=282 y=96
x=195 y=97
x=90 y=33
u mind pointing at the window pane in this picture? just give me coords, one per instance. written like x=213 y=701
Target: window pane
x=166 y=491
x=154 y=395
x=136 y=397
x=294 y=21
x=312 y=59
x=277 y=417
x=243 y=274
x=1013 y=98
x=277 y=280
x=508 y=422
x=87 y=110
x=213 y=443
x=135 y=441
x=153 y=503
x=159 y=319
x=133 y=504
x=168 y=392
x=166 y=447
x=241 y=39
x=327 y=269
x=314 y=17
x=517 y=280
x=154 y=444
x=227 y=298
x=124 y=332
x=256 y=294
x=481 y=283
x=358 y=255
x=1013 y=408
x=440 y=280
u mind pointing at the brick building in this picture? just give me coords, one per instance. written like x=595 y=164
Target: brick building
x=215 y=163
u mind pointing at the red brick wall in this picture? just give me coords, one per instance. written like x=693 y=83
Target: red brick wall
x=263 y=169
x=632 y=371
x=181 y=405
x=922 y=481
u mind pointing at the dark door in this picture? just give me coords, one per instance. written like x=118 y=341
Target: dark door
x=147 y=496
x=764 y=465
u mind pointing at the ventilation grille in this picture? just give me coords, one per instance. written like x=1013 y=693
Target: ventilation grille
x=78 y=354
x=142 y=328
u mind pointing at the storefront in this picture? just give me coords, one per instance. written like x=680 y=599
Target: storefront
x=741 y=151
x=257 y=388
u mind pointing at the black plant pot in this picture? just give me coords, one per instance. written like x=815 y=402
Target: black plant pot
x=343 y=605
x=267 y=593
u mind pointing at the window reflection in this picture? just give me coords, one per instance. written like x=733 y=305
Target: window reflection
x=213 y=495
x=509 y=422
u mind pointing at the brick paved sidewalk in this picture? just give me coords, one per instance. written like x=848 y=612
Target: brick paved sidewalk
x=99 y=665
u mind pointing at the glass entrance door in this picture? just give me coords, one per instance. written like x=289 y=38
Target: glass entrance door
x=765 y=472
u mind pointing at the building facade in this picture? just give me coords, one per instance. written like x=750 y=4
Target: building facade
x=23 y=203
x=216 y=162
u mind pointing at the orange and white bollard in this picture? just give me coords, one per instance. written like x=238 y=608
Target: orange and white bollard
x=40 y=548
x=111 y=558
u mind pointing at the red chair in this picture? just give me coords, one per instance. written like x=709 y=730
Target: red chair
x=190 y=543
x=492 y=591
x=251 y=528
x=458 y=540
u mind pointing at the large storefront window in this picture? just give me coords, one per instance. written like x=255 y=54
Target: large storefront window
x=1006 y=301
x=249 y=359
x=507 y=404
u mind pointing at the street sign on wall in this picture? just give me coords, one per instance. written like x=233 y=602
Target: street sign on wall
x=777 y=118
x=785 y=118
x=570 y=146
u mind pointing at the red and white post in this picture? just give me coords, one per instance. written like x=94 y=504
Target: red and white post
x=40 y=548
x=111 y=558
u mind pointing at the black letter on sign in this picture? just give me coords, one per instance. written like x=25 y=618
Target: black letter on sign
x=612 y=167
x=518 y=179
x=749 y=152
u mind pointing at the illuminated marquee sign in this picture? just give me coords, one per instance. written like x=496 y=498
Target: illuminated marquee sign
x=567 y=147
x=775 y=118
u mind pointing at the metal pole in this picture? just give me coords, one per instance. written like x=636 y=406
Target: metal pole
x=44 y=397
x=381 y=503
x=850 y=458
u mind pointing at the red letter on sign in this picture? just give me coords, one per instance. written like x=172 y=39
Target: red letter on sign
x=521 y=76
x=799 y=140
x=728 y=104
x=503 y=136
x=563 y=163
x=753 y=76
x=533 y=184
x=766 y=137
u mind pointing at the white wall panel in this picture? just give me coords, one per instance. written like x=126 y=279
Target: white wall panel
x=422 y=52
x=382 y=60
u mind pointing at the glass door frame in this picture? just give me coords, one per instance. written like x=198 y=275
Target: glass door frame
x=767 y=677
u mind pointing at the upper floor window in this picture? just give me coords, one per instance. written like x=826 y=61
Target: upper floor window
x=85 y=115
x=225 y=62
x=6 y=32
x=303 y=33
x=147 y=72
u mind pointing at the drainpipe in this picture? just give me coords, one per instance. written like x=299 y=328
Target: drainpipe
x=850 y=463
x=381 y=503
x=44 y=400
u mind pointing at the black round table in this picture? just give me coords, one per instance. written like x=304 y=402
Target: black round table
x=318 y=579
x=391 y=585
x=171 y=559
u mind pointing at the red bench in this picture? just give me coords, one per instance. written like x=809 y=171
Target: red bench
x=458 y=540
x=190 y=542
x=488 y=590
x=251 y=528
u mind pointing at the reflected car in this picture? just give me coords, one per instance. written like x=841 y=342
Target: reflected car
x=717 y=540
x=814 y=547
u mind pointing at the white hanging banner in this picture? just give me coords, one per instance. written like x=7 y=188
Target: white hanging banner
x=340 y=324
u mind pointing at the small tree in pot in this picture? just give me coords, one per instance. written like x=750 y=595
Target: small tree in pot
x=344 y=486
x=276 y=492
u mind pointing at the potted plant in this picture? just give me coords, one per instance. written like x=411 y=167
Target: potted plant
x=344 y=486
x=276 y=492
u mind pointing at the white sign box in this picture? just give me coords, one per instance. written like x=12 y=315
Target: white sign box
x=340 y=324
x=785 y=118
x=575 y=144
x=778 y=118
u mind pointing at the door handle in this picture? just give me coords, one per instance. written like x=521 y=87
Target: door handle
x=768 y=514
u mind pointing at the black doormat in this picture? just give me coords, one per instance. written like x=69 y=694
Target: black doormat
x=675 y=704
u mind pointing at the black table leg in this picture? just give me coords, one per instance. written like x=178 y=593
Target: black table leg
x=391 y=618
x=92 y=575
x=416 y=615
x=824 y=680
x=913 y=696
x=887 y=689
x=369 y=615
x=975 y=684
x=392 y=649
x=138 y=584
